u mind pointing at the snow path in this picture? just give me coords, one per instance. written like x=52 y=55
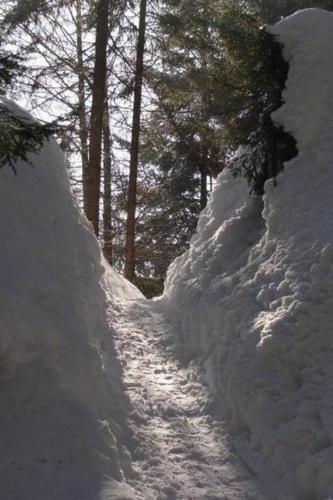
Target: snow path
x=182 y=451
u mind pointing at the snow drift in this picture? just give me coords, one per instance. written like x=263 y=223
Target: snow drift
x=255 y=289
x=61 y=392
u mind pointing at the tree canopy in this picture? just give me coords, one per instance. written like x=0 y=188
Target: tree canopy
x=210 y=76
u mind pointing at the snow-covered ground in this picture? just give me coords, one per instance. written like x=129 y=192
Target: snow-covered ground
x=254 y=293
x=93 y=404
x=181 y=451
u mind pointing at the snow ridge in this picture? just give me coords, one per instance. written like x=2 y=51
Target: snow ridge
x=61 y=392
x=253 y=294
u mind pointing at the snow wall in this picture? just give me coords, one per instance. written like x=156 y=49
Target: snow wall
x=61 y=393
x=255 y=293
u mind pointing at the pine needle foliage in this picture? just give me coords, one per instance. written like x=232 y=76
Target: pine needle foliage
x=20 y=136
x=270 y=11
x=257 y=66
x=224 y=76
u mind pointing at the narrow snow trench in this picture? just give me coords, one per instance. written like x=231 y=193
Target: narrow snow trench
x=182 y=451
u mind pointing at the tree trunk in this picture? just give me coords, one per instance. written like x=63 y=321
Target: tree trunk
x=203 y=187
x=132 y=187
x=83 y=129
x=93 y=177
x=107 y=226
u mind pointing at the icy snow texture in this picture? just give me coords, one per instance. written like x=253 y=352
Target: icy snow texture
x=60 y=379
x=254 y=292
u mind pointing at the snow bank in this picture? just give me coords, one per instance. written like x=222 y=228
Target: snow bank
x=255 y=289
x=61 y=392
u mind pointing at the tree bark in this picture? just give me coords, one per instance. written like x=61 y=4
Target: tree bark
x=107 y=211
x=132 y=187
x=93 y=174
x=83 y=128
x=203 y=187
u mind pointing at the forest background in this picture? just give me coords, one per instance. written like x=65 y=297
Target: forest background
x=149 y=101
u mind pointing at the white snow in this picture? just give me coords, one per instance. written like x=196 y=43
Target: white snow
x=254 y=293
x=61 y=392
x=94 y=405
x=180 y=450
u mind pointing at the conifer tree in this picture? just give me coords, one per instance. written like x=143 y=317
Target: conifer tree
x=134 y=153
x=93 y=176
x=18 y=135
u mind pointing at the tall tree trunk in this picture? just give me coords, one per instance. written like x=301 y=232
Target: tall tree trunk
x=203 y=187
x=93 y=177
x=107 y=225
x=83 y=128
x=133 y=175
x=203 y=177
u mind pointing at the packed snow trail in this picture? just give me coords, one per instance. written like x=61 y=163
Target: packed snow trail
x=182 y=451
